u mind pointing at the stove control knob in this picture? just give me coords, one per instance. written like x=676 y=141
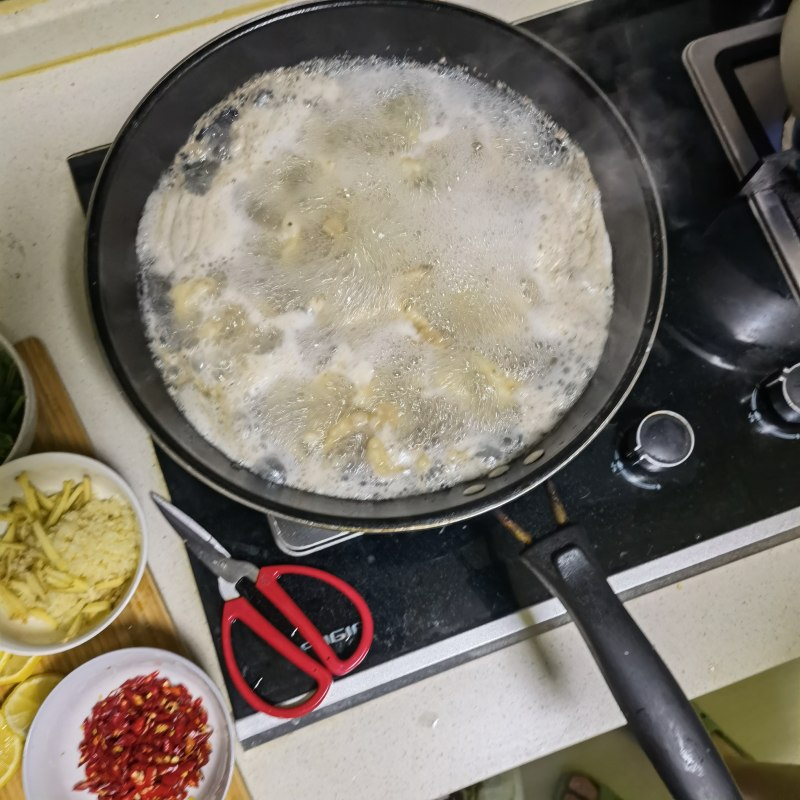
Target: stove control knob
x=660 y=441
x=778 y=398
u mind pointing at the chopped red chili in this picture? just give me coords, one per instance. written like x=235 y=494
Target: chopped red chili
x=148 y=739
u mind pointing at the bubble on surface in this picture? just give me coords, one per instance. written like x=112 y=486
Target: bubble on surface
x=371 y=278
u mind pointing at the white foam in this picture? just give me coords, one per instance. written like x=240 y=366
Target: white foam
x=355 y=251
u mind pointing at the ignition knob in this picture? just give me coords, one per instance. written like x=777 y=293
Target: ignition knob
x=778 y=399
x=658 y=442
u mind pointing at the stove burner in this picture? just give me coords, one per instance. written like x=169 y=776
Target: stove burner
x=737 y=75
x=296 y=539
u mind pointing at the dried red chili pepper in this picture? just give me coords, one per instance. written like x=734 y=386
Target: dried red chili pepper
x=148 y=740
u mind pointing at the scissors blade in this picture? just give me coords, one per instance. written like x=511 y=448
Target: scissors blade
x=210 y=552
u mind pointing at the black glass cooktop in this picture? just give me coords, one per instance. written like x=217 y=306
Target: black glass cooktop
x=730 y=320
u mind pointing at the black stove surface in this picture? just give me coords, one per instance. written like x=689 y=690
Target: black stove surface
x=730 y=320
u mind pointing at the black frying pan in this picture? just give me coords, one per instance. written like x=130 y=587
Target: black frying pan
x=656 y=709
x=426 y=32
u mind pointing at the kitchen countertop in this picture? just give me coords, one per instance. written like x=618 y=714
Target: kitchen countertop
x=68 y=79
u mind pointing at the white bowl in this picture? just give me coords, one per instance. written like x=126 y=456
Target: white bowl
x=48 y=471
x=27 y=430
x=50 y=759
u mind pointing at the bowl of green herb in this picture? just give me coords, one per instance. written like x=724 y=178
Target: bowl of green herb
x=17 y=404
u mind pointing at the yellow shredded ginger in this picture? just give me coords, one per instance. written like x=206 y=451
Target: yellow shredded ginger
x=65 y=558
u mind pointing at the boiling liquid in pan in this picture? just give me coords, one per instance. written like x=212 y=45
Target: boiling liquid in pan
x=371 y=278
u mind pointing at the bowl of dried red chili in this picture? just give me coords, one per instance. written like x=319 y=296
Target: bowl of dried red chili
x=134 y=724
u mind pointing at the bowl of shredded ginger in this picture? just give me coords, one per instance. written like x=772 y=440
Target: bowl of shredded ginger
x=17 y=404
x=72 y=551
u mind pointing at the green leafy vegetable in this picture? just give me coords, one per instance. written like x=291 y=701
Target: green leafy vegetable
x=12 y=403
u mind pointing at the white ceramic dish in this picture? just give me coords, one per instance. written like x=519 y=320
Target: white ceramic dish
x=27 y=429
x=48 y=471
x=50 y=759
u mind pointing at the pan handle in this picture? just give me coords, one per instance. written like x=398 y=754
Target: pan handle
x=657 y=711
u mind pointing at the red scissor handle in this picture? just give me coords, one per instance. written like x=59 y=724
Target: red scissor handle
x=242 y=611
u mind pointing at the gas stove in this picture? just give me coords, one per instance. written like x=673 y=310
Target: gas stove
x=698 y=467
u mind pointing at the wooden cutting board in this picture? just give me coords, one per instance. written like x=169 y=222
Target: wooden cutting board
x=145 y=622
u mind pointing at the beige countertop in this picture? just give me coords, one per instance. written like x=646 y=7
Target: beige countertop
x=69 y=76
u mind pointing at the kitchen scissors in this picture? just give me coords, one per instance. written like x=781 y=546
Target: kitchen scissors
x=249 y=592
